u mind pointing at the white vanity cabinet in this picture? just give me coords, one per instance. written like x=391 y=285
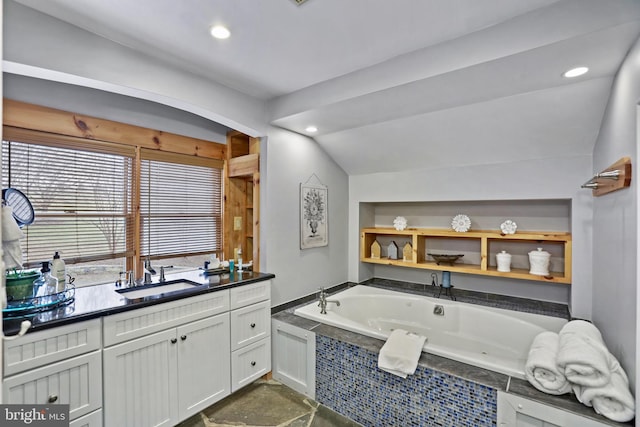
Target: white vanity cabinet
x=150 y=366
x=250 y=333
x=161 y=378
x=60 y=365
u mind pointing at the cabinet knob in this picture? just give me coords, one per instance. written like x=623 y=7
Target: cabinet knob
x=183 y=337
x=253 y=363
x=174 y=340
x=253 y=325
x=52 y=398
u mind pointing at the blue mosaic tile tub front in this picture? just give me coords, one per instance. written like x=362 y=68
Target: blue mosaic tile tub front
x=349 y=382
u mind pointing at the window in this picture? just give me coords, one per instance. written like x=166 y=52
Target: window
x=81 y=193
x=84 y=195
x=181 y=207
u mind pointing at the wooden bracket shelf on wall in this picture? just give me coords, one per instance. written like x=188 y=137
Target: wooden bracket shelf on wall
x=615 y=177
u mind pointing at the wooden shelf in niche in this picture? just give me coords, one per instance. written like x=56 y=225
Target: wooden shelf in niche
x=483 y=240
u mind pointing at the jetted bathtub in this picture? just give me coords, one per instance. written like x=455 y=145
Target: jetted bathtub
x=486 y=337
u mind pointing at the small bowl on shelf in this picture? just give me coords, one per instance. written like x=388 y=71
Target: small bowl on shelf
x=446 y=258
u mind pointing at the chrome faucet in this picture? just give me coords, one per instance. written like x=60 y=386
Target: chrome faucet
x=323 y=301
x=147 y=266
x=162 y=279
x=126 y=279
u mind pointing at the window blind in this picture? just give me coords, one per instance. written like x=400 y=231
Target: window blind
x=81 y=194
x=180 y=205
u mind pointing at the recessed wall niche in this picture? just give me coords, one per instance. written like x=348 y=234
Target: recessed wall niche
x=544 y=215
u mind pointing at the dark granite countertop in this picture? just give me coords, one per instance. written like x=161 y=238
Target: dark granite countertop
x=91 y=302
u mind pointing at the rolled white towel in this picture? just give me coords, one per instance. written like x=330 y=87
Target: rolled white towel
x=400 y=354
x=613 y=400
x=541 y=369
x=583 y=356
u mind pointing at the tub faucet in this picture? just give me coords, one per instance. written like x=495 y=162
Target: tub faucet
x=446 y=285
x=323 y=301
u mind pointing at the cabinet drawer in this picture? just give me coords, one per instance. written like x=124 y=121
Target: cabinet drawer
x=250 y=363
x=250 y=294
x=93 y=419
x=76 y=381
x=250 y=324
x=144 y=321
x=49 y=346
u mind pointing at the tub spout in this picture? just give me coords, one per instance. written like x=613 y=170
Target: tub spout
x=323 y=301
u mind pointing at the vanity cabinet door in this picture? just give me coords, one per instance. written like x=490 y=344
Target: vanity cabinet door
x=140 y=378
x=75 y=381
x=204 y=358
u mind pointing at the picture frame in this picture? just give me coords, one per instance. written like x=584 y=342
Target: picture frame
x=314 y=215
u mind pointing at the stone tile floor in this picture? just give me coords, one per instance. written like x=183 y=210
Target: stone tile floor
x=267 y=403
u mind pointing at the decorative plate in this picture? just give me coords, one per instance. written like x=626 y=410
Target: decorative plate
x=508 y=227
x=400 y=223
x=461 y=223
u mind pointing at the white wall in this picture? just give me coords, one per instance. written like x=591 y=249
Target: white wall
x=41 y=46
x=291 y=159
x=558 y=178
x=615 y=223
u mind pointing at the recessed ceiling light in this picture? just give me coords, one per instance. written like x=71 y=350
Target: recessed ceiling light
x=220 y=32
x=575 y=72
x=311 y=129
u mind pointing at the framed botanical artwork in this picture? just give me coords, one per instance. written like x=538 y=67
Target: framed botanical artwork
x=314 y=216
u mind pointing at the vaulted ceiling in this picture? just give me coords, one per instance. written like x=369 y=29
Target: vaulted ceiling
x=395 y=85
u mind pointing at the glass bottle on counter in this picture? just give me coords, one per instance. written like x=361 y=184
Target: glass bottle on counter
x=45 y=284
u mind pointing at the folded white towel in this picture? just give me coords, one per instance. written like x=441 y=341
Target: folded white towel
x=583 y=356
x=613 y=400
x=541 y=369
x=400 y=354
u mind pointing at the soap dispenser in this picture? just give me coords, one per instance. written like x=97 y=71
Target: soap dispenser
x=46 y=284
x=58 y=270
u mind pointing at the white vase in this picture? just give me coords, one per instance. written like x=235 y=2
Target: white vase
x=503 y=260
x=539 y=262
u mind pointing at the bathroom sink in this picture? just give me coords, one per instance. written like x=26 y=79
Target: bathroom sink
x=157 y=289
